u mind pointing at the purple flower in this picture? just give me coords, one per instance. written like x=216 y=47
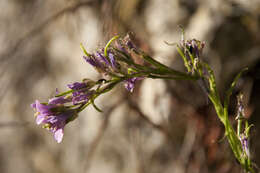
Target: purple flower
x=81 y=93
x=77 y=85
x=58 y=100
x=127 y=41
x=102 y=58
x=92 y=61
x=193 y=46
x=81 y=97
x=130 y=44
x=112 y=60
x=121 y=47
x=244 y=142
x=56 y=124
x=43 y=110
x=130 y=83
x=53 y=116
x=103 y=64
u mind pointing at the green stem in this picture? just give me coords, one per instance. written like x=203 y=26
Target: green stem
x=222 y=113
x=168 y=77
x=64 y=93
x=101 y=91
x=162 y=66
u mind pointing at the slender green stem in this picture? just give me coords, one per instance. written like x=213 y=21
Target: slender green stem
x=101 y=91
x=64 y=93
x=222 y=112
x=163 y=67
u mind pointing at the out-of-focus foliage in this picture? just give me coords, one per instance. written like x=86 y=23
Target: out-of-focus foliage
x=163 y=126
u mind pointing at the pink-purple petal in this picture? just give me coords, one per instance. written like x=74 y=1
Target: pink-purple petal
x=40 y=119
x=58 y=100
x=33 y=105
x=41 y=107
x=130 y=83
x=58 y=135
x=77 y=85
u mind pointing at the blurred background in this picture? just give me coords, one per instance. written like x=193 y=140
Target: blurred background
x=164 y=126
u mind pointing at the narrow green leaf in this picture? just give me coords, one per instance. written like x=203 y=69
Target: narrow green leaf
x=64 y=93
x=233 y=84
x=186 y=63
x=95 y=106
x=165 y=68
x=247 y=129
x=212 y=79
x=84 y=50
x=127 y=59
x=108 y=44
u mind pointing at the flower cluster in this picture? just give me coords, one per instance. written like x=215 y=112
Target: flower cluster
x=100 y=62
x=65 y=107
x=115 y=61
x=191 y=51
x=117 y=64
x=54 y=116
x=193 y=47
x=81 y=91
x=62 y=109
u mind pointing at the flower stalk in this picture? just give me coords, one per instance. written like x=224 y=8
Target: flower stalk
x=116 y=65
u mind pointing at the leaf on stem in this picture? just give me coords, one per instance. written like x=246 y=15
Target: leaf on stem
x=233 y=84
x=84 y=50
x=95 y=106
x=108 y=44
x=248 y=129
x=186 y=63
x=64 y=93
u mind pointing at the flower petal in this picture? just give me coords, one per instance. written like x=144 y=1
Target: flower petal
x=58 y=135
x=42 y=108
x=58 y=100
x=77 y=85
x=112 y=60
x=91 y=61
x=39 y=119
x=101 y=58
x=33 y=105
